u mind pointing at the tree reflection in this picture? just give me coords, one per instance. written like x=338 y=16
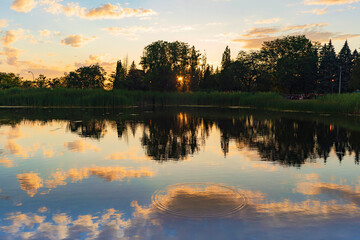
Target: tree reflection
x=88 y=129
x=171 y=134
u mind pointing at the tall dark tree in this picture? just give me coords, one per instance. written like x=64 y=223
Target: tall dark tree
x=356 y=55
x=194 y=70
x=134 y=78
x=120 y=75
x=355 y=76
x=226 y=77
x=328 y=69
x=346 y=64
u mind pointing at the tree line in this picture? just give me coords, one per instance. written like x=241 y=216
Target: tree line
x=290 y=65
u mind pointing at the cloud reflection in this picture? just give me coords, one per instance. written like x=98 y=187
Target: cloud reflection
x=31 y=182
x=259 y=217
x=80 y=146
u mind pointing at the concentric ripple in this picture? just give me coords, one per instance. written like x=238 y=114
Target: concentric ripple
x=199 y=200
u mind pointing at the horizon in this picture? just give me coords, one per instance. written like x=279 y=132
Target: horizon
x=35 y=34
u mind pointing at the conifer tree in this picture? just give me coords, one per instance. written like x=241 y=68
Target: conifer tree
x=226 y=83
x=346 y=63
x=356 y=55
x=119 y=76
x=328 y=69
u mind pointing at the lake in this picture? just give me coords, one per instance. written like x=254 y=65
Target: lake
x=178 y=173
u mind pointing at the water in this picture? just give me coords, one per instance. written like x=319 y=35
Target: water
x=178 y=173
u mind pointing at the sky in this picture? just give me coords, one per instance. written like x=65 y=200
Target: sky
x=52 y=37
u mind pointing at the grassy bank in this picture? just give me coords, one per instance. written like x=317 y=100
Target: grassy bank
x=346 y=103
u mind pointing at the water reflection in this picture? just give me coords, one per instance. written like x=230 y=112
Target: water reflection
x=147 y=222
x=31 y=182
x=174 y=135
x=90 y=174
x=88 y=129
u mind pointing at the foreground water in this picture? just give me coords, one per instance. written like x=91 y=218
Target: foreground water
x=178 y=174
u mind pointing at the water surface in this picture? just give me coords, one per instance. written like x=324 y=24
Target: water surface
x=178 y=173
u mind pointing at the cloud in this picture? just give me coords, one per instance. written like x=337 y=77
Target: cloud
x=30 y=182
x=23 y=5
x=103 y=60
x=268 y=21
x=130 y=32
x=255 y=37
x=106 y=11
x=3 y=23
x=318 y=11
x=45 y=33
x=260 y=31
x=80 y=146
x=329 y=2
x=12 y=36
x=76 y=40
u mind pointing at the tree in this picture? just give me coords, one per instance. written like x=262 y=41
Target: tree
x=92 y=76
x=166 y=62
x=356 y=55
x=226 y=58
x=120 y=75
x=58 y=82
x=9 y=80
x=355 y=76
x=292 y=62
x=42 y=81
x=226 y=80
x=346 y=64
x=135 y=77
x=328 y=69
x=194 y=70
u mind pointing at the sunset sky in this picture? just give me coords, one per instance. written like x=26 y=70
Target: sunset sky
x=55 y=36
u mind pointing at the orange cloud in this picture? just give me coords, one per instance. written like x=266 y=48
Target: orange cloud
x=255 y=37
x=76 y=40
x=106 y=11
x=268 y=21
x=23 y=5
x=11 y=55
x=329 y=2
x=3 y=23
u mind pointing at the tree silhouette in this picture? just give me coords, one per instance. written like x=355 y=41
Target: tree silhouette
x=346 y=64
x=92 y=76
x=328 y=69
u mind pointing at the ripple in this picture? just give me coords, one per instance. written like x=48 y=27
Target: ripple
x=199 y=200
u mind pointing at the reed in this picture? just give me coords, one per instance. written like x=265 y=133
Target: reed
x=61 y=97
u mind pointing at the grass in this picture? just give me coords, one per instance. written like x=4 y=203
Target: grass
x=345 y=103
